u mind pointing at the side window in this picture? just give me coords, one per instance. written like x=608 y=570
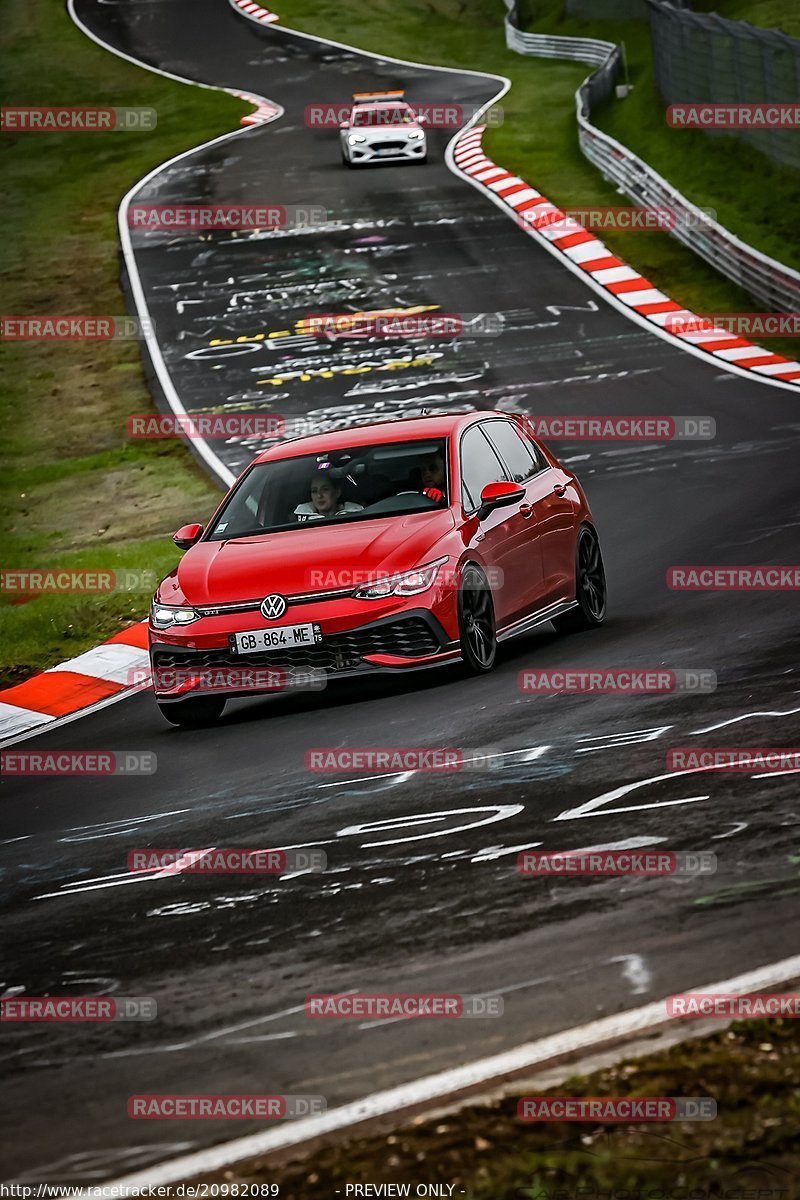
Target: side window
x=518 y=455
x=479 y=466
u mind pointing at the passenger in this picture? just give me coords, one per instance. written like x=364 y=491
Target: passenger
x=434 y=477
x=326 y=500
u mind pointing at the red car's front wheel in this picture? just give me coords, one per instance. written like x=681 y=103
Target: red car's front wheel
x=476 y=621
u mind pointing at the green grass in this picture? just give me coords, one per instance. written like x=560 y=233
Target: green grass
x=767 y=14
x=74 y=489
x=749 y=1152
x=753 y=197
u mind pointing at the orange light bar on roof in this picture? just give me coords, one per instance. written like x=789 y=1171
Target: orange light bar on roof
x=360 y=96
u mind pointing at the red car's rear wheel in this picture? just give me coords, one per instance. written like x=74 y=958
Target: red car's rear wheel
x=590 y=586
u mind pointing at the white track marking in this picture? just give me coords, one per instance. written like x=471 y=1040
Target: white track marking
x=499 y=812
x=635 y=971
x=431 y=1089
x=790 y=712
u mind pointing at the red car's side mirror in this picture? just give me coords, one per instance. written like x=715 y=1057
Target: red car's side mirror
x=187 y=535
x=499 y=495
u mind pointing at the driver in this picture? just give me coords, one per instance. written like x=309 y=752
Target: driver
x=326 y=500
x=434 y=479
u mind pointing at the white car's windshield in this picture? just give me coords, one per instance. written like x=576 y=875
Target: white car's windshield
x=383 y=114
x=344 y=485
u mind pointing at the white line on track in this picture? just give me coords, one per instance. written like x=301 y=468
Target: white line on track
x=432 y=1089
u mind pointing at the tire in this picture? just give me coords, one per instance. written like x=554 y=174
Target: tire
x=476 y=621
x=590 y=586
x=195 y=713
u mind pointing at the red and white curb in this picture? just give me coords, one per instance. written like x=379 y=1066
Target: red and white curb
x=113 y=669
x=590 y=255
x=265 y=111
x=256 y=11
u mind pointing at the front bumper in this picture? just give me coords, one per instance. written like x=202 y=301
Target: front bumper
x=403 y=641
x=377 y=152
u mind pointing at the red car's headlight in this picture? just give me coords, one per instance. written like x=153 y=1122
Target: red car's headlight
x=410 y=583
x=164 y=615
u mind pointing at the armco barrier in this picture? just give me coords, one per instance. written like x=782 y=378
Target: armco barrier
x=769 y=281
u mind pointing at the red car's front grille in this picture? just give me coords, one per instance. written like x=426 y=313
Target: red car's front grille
x=409 y=637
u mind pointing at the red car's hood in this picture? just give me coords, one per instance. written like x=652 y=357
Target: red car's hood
x=314 y=558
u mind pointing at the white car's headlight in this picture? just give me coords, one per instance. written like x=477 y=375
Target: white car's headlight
x=164 y=615
x=410 y=583
x=415 y=135
x=356 y=137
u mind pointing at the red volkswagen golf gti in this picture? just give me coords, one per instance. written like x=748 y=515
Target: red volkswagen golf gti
x=385 y=547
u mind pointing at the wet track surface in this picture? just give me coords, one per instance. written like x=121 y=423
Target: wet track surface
x=421 y=891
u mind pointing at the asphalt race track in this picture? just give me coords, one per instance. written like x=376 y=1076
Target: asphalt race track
x=421 y=891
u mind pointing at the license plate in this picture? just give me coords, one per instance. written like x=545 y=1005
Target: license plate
x=391 y=150
x=285 y=637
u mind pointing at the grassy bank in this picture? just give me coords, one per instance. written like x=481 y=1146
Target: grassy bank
x=749 y=1152
x=76 y=492
x=753 y=197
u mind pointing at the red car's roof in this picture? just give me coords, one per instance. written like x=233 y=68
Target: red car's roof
x=416 y=429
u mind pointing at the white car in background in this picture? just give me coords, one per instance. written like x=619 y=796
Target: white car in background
x=382 y=127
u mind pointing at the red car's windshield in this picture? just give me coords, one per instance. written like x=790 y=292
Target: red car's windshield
x=383 y=114
x=344 y=485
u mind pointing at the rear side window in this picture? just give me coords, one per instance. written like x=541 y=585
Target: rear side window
x=479 y=466
x=518 y=456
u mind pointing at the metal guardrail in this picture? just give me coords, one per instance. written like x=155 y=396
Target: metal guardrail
x=772 y=283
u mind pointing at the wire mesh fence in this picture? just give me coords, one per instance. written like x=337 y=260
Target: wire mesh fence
x=704 y=58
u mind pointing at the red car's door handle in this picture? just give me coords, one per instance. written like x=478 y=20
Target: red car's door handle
x=559 y=489
x=526 y=510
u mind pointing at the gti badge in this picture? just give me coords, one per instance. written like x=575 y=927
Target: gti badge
x=273 y=606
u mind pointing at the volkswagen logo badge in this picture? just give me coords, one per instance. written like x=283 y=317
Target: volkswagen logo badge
x=273 y=606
